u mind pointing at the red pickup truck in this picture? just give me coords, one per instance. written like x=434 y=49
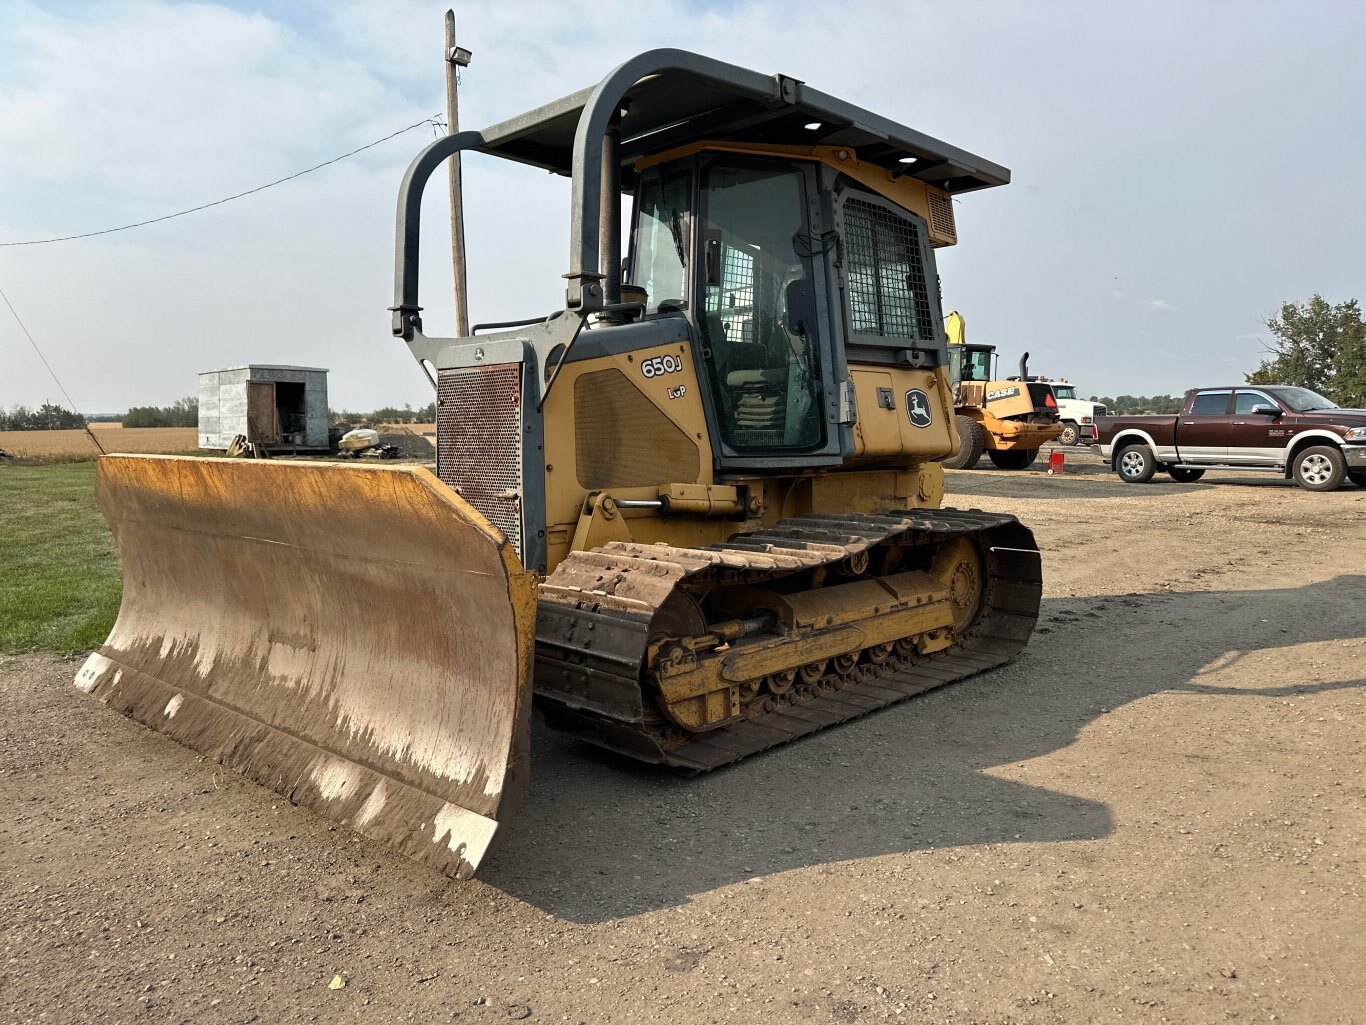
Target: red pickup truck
x=1293 y=431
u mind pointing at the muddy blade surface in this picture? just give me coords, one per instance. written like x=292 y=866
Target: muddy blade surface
x=356 y=638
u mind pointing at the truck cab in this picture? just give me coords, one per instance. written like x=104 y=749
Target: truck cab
x=1078 y=415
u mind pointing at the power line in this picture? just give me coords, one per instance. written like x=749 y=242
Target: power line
x=434 y=120
x=70 y=404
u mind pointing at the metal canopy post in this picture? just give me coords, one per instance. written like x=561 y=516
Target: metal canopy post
x=408 y=226
x=585 y=291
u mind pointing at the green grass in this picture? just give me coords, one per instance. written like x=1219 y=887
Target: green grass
x=59 y=568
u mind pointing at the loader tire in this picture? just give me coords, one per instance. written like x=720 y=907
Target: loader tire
x=1014 y=458
x=972 y=440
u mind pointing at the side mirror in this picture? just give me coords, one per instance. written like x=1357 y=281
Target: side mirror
x=1266 y=409
x=801 y=307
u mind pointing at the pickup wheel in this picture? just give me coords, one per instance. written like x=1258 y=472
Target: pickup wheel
x=971 y=441
x=1014 y=458
x=1135 y=464
x=1320 y=468
x=1185 y=475
x=1070 y=434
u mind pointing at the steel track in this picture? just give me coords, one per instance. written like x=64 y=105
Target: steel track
x=595 y=611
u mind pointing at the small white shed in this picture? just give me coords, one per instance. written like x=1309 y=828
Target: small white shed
x=275 y=406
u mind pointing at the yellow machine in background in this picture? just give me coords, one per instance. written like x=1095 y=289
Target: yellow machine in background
x=695 y=512
x=1009 y=420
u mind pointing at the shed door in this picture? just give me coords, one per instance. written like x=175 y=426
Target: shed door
x=263 y=422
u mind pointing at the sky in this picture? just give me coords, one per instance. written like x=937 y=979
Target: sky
x=1180 y=169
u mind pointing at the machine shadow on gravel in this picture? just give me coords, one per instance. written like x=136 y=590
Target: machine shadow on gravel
x=600 y=837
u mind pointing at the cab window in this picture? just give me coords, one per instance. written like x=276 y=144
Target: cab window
x=660 y=261
x=758 y=315
x=1247 y=399
x=1210 y=403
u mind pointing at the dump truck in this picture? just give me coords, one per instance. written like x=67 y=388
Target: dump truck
x=692 y=514
x=1009 y=420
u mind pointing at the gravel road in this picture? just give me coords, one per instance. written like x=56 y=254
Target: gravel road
x=1155 y=815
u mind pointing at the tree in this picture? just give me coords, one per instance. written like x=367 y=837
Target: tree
x=182 y=413
x=1318 y=346
x=1126 y=405
x=385 y=415
x=47 y=417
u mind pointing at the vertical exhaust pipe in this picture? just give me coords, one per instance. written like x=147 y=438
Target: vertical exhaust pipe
x=1024 y=367
x=609 y=213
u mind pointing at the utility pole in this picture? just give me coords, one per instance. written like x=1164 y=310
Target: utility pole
x=456 y=58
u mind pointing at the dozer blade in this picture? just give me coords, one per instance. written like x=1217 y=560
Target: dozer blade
x=357 y=638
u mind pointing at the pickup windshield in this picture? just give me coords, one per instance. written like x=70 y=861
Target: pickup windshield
x=1302 y=400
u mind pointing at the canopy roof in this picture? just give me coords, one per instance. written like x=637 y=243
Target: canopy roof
x=720 y=102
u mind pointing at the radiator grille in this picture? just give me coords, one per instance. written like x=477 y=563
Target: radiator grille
x=886 y=273
x=479 y=441
x=622 y=440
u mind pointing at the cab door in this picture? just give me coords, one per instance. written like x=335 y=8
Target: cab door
x=771 y=369
x=1202 y=434
x=1255 y=439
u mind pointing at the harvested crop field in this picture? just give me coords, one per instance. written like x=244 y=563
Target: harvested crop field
x=50 y=444
x=1156 y=814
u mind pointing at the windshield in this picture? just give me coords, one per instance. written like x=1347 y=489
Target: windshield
x=970 y=364
x=1064 y=391
x=1302 y=400
x=661 y=240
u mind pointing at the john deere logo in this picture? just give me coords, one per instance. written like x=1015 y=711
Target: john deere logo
x=918 y=408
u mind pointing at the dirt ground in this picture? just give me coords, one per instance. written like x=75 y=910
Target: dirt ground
x=1155 y=815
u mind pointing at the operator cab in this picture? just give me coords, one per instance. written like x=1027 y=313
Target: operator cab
x=749 y=292
x=971 y=363
x=787 y=272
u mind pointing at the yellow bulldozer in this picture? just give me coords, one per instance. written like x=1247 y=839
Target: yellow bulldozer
x=693 y=514
x=1009 y=420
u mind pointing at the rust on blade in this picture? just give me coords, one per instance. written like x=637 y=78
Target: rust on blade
x=357 y=638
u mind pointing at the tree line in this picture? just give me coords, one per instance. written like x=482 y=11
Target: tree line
x=1137 y=405
x=185 y=413
x=181 y=413
x=51 y=417
x=386 y=415
x=47 y=417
